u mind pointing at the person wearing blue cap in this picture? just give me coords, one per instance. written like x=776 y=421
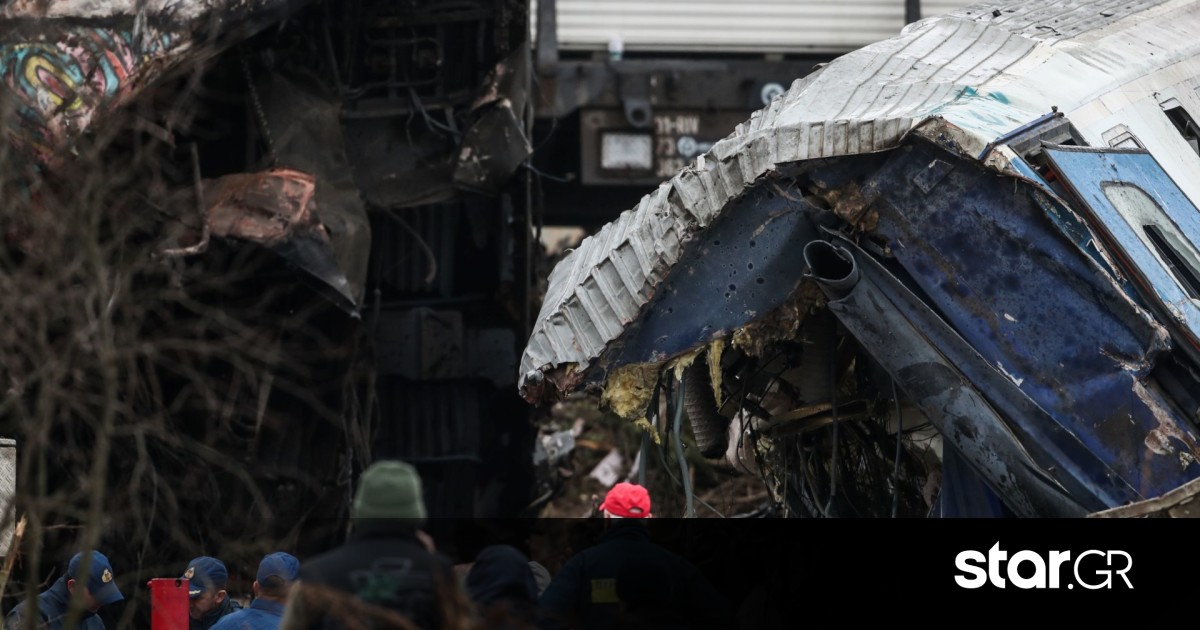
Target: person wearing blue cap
x=276 y=574
x=99 y=590
x=206 y=578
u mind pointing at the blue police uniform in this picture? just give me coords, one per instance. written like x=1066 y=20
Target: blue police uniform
x=208 y=574
x=54 y=603
x=261 y=615
x=52 y=607
x=276 y=570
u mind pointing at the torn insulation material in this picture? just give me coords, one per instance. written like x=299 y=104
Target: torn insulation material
x=645 y=425
x=680 y=364
x=714 y=367
x=627 y=391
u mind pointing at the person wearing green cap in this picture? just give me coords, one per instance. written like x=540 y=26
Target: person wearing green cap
x=98 y=586
x=386 y=571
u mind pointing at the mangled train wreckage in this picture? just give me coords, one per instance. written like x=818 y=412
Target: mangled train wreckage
x=956 y=272
x=327 y=177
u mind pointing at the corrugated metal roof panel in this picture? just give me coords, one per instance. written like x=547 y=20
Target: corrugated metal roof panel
x=984 y=75
x=722 y=25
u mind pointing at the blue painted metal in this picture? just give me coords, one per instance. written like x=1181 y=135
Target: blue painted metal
x=1091 y=172
x=964 y=494
x=747 y=265
x=1068 y=223
x=986 y=257
x=1059 y=453
x=872 y=305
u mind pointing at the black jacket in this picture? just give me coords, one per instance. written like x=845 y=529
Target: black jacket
x=229 y=606
x=586 y=592
x=372 y=578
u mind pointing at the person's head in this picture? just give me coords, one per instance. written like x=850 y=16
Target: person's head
x=501 y=585
x=501 y=573
x=388 y=498
x=626 y=500
x=99 y=586
x=276 y=574
x=207 y=578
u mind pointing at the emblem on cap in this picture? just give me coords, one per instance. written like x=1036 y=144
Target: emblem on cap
x=106 y=577
x=189 y=573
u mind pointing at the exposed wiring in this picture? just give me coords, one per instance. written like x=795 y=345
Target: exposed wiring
x=429 y=255
x=433 y=125
x=652 y=418
x=690 y=508
x=833 y=468
x=259 y=114
x=662 y=457
x=554 y=178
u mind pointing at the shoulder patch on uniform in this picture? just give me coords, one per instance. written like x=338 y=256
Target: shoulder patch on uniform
x=604 y=591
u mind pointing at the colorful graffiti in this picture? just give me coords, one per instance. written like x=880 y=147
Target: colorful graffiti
x=61 y=84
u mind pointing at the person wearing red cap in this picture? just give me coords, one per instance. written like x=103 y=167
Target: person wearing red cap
x=626 y=500
x=586 y=591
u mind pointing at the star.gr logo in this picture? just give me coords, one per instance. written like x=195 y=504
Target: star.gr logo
x=1092 y=569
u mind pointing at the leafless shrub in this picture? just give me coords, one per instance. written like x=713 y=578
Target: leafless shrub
x=165 y=406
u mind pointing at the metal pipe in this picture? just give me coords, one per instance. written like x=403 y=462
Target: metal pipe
x=912 y=11
x=833 y=267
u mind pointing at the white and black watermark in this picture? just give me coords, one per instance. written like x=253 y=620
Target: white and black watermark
x=1093 y=569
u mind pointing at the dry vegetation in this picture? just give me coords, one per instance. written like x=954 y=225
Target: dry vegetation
x=164 y=405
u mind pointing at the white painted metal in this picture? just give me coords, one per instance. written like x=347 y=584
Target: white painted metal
x=968 y=78
x=935 y=8
x=8 y=492
x=755 y=26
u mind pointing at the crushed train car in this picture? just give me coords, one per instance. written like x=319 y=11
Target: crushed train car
x=956 y=272
x=327 y=177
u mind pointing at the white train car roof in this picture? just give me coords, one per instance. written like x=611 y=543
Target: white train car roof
x=1112 y=67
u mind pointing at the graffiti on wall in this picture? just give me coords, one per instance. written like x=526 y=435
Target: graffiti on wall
x=61 y=85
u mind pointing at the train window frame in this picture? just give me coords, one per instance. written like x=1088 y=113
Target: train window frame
x=1183 y=122
x=1120 y=137
x=1158 y=232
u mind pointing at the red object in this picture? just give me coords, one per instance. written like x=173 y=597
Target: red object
x=168 y=604
x=627 y=500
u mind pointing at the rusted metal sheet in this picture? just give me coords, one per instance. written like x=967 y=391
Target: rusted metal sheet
x=1182 y=502
x=262 y=207
x=964 y=79
x=274 y=209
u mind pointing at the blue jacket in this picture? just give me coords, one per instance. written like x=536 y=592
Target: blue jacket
x=262 y=614
x=52 y=607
